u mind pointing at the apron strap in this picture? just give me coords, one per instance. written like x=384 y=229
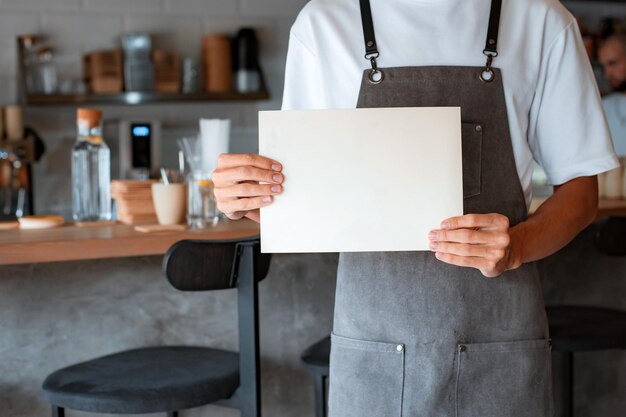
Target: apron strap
x=371 y=48
x=491 y=45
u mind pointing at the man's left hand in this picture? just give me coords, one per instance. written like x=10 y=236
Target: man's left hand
x=480 y=241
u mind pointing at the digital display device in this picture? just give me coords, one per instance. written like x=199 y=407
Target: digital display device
x=141 y=137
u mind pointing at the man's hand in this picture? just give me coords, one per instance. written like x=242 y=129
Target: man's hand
x=480 y=241
x=236 y=184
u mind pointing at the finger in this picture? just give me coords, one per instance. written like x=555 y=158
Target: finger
x=226 y=161
x=247 y=190
x=254 y=215
x=485 y=266
x=236 y=215
x=470 y=221
x=462 y=236
x=461 y=249
x=244 y=204
x=464 y=261
x=246 y=174
x=476 y=251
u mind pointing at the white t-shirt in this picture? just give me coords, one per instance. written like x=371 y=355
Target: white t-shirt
x=615 y=108
x=554 y=107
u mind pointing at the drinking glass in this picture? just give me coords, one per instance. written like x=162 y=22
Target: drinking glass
x=202 y=209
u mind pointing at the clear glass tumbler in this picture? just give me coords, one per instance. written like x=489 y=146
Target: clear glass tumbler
x=202 y=210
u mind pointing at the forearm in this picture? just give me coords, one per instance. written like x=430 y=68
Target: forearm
x=571 y=208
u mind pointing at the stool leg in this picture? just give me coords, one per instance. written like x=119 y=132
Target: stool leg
x=320 y=396
x=568 y=384
x=58 y=411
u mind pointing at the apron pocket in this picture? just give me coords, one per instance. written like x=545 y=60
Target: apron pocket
x=510 y=379
x=366 y=378
x=472 y=138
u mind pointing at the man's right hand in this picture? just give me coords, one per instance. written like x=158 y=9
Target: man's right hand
x=236 y=184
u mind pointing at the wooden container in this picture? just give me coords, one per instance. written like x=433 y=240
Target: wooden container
x=103 y=71
x=217 y=60
x=167 y=71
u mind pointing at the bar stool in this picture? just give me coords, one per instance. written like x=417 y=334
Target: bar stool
x=585 y=328
x=315 y=361
x=174 y=378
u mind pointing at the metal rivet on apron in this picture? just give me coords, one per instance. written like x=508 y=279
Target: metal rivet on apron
x=370 y=44
x=462 y=348
x=399 y=348
x=479 y=128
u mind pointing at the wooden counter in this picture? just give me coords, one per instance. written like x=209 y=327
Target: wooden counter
x=72 y=243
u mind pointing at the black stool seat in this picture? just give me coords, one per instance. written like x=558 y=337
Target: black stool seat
x=315 y=358
x=146 y=380
x=577 y=328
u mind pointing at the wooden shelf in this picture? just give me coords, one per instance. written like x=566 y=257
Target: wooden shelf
x=137 y=98
x=73 y=243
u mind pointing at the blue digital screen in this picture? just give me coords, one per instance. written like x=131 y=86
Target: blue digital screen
x=141 y=131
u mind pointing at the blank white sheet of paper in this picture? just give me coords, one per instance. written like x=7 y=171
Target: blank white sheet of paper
x=361 y=180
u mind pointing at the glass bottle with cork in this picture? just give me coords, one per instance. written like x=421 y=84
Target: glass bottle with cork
x=91 y=170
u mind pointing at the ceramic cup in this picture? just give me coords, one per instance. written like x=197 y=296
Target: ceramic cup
x=170 y=202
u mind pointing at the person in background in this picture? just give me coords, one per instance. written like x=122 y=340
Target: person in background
x=612 y=56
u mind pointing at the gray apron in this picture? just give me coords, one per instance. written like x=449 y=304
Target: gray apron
x=416 y=337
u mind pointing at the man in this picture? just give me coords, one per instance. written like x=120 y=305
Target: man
x=426 y=333
x=612 y=56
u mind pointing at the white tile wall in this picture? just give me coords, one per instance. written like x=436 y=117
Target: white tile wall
x=213 y=7
x=129 y=6
x=42 y=5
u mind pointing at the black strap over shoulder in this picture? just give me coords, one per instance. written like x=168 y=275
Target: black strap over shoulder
x=491 y=45
x=371 y=49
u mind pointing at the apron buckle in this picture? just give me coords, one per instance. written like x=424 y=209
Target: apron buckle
x=376 y=76
x=487 y=75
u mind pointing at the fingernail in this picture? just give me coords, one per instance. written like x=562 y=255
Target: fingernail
x=277 y=178
x=434 y=245
x=432 y=235
x=438 y=255
x=275 y=188
x=445 y=225
x=267 y=199
x=276 y=167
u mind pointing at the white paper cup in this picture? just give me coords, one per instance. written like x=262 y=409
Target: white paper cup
x=170 y=202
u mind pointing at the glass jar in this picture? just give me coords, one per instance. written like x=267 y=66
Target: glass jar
x=202 y=209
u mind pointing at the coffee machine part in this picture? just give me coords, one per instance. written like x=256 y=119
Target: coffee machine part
x=246 y=52
x=16 y=186
x=14 y=123
x=139 y=148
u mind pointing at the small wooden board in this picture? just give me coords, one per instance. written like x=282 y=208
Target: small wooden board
x=155 y=228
